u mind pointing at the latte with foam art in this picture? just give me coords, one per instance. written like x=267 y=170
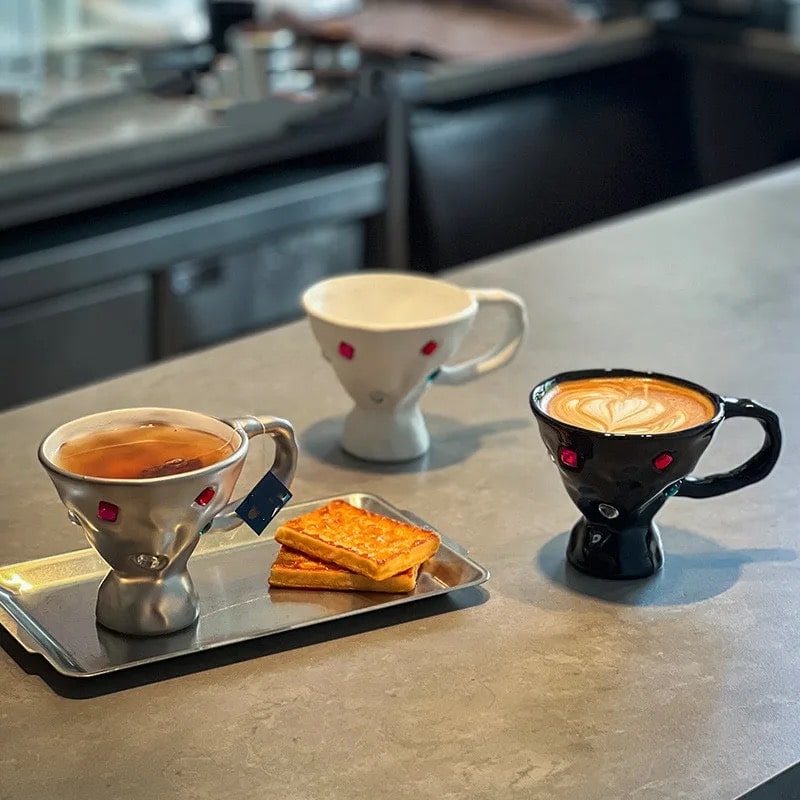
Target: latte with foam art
x=628 y=405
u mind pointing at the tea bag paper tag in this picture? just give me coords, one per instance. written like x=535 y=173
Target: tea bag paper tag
x=265 y=500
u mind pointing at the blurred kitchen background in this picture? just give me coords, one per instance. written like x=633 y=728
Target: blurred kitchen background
x=173 y=173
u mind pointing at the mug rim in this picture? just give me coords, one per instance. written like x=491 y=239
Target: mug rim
x=51 y=466
x=544 y=386
x=385 y=327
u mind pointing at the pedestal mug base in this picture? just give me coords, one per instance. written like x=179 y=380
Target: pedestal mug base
x=147 y=607
x=388 y=438
x=620 y=555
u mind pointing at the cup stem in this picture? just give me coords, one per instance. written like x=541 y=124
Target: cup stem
x=622 y=554
x=386 y=436
x=147 y=606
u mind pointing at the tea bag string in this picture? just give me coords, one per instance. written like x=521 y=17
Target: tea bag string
x=263 y=438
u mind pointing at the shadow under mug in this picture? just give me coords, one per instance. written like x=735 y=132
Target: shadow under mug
x=146 y=529
x=620 y=481
x=388 y=337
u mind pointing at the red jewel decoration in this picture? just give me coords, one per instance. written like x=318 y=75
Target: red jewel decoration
x=205 y=497
x=107 y=512
x=662 y=461
x=569 y=458
x=346 y=350
x=429 y=348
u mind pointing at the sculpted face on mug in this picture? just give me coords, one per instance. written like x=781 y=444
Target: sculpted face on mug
x=117 y=518
x=382 y=377
x=604 y=485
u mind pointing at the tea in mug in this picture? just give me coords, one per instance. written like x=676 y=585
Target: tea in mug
x=152 y=450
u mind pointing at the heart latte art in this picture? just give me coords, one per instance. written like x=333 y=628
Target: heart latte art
x=628 y=405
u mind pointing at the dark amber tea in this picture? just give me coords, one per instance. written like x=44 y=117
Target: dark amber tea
x=143 y=451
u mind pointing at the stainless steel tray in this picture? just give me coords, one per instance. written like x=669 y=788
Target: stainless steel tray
x=47 y=605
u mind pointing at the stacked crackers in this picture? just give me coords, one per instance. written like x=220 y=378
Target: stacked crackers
x=339 y=546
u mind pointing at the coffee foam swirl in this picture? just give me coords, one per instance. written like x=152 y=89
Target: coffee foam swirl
x=628 y=405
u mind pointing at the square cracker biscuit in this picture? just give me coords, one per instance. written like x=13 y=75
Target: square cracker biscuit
x=358 y=540
x=297 y=570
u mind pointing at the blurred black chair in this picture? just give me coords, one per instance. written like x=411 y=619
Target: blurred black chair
x=493 y=173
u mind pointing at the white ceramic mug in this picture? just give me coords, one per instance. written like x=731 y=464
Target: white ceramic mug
x=388 y=336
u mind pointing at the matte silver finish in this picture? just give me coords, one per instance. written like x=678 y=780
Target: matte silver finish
x=149 y=590
x=236 y=603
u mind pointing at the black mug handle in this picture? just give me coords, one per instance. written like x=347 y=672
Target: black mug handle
x=755 y=468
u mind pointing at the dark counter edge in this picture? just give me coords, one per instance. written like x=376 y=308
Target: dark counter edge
x=783 y=786
x=615 y=42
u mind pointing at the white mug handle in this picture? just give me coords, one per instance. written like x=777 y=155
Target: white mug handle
x=501 y=354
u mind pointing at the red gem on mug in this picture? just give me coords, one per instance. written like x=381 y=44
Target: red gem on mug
x=429 y=348
x=107 y=512
x=205 y=497
x=569 y=458
x=346 y=350
x=662 y=461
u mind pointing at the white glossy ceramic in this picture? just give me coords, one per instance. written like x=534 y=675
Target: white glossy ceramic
x=388 y=336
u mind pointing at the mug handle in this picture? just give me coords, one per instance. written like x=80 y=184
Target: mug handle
x=501 y=354
x=755 y=468
x=283 y=467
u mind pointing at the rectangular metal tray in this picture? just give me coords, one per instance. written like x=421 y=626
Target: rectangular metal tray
x=47 y=605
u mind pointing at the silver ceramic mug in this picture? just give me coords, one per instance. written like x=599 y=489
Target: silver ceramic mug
x=146 y=528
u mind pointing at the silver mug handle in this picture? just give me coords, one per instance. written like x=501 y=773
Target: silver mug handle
x=283 y=466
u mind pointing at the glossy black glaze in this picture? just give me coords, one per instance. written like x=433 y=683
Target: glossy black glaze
x=619 y=490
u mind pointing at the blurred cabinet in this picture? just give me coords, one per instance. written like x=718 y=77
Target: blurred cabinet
x=76 y=338
x=206 y=301
x=91 y=296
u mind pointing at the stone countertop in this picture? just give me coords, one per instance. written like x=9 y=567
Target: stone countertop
x=546 y=685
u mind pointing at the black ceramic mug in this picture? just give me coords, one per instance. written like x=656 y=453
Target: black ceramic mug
x=624 y=442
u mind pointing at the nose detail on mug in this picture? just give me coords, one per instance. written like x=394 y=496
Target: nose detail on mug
x=377 y=397
x=150 y=562
x=608 y=511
